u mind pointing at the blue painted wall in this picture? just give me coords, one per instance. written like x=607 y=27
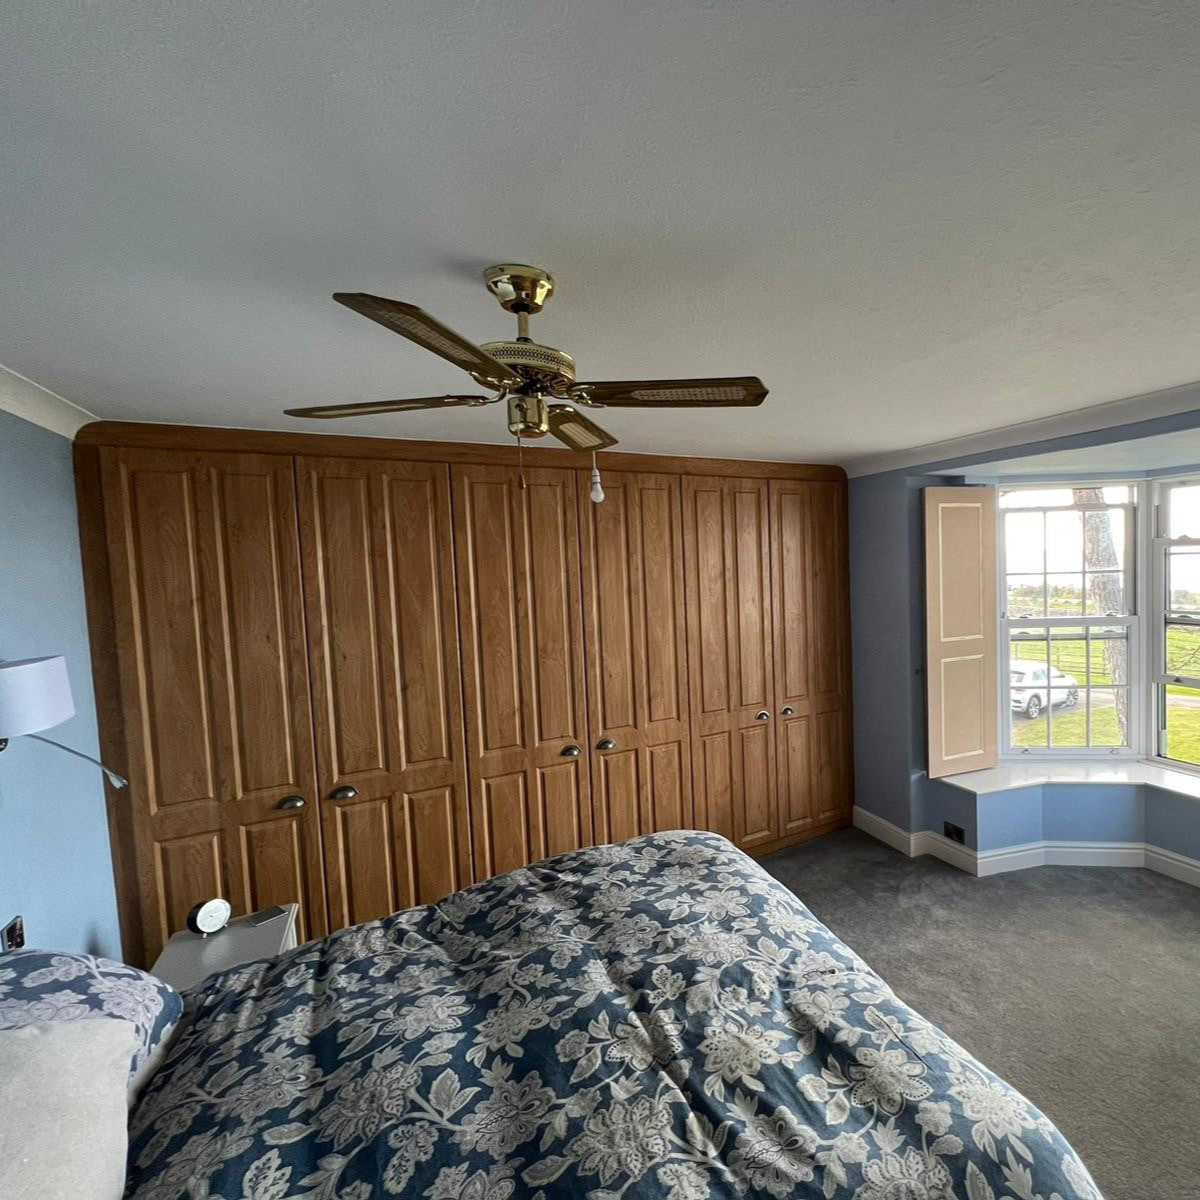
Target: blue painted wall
x=887 y=616
x=55 y=866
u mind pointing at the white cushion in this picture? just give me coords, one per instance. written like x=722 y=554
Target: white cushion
x=63 y=1098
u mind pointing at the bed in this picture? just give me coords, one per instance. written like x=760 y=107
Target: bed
x=657 y=1018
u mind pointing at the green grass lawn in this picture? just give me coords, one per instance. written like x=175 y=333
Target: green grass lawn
x=1070 y=729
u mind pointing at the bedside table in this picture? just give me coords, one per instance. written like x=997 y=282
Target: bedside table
x=188 y=957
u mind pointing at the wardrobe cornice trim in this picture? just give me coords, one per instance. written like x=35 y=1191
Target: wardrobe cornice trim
x=258 y=441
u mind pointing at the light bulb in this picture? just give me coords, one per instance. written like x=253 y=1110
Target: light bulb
x=597 y=490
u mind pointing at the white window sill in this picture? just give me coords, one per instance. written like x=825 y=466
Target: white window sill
x=1010 y=776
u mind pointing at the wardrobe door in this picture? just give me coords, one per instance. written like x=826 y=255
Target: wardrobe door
x=791 y=568
x=517 y=551
x=382 y=630
x=755 y=815
x=635 y=633
x=829 y=653
x=730 y=652
x=209 y=631
x=711 y=675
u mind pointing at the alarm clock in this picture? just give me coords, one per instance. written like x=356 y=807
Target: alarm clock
x=209 y=916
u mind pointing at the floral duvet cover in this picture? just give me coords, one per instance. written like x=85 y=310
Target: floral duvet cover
x=658 y=1018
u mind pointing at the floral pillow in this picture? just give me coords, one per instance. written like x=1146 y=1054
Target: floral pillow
x=37 y=986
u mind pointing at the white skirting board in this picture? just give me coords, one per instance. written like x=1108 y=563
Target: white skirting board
x=1032 y=854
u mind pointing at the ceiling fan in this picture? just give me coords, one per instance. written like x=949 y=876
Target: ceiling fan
x=537 y=381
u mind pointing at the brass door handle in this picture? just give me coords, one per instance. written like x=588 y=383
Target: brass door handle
x=291 y=802
x=787 y=711
x=343 y=793
x=606 y=744
x=570 y=751
x=762 y=715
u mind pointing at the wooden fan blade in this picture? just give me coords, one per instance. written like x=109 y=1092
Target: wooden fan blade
x=369 y=407
x=418 y=326
x=744 y=392
x=575 y=430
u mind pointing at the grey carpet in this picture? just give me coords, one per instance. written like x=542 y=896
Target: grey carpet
x=1079 y=985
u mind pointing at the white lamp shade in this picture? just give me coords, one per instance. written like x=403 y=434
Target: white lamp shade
x=35 y=694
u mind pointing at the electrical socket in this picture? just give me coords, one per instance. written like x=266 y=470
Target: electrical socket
x=12 y=936
x=954 y=833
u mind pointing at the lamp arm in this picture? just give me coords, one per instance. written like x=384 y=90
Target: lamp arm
x=118 y=781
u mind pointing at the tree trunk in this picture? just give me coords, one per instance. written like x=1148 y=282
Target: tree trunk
x=1104 y=596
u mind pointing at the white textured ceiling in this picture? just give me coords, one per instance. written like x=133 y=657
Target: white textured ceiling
x=914 y=220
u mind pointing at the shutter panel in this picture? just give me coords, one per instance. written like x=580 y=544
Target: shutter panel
x=960 y=628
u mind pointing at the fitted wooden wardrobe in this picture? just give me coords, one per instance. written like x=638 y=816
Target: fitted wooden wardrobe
x=360 y=674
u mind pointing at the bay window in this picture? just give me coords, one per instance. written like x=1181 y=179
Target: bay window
x=1096 y=653
x=1068 y=620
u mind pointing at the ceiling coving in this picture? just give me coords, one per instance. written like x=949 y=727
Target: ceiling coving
x=535 y=380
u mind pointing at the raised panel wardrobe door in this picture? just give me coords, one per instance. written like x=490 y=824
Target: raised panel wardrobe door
x=829 y=604
x=731 y=656
x=209 y=637
x=250 y=553
x=791 y=565
x=666 y=727
x=635 y=633
x=710 y=598
x=829 y=651
x=383 y=646
x=755 y=813
x=519 y=603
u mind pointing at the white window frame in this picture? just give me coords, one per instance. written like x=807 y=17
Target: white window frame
x=1158 y=543
x=1142 y=697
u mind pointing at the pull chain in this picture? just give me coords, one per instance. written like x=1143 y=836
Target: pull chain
x=520 y=463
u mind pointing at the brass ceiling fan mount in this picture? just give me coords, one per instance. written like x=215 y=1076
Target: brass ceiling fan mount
x=537 y=381
x=519 y=288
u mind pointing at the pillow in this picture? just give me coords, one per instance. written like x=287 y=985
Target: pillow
x=39 y=986
x=63 y=1093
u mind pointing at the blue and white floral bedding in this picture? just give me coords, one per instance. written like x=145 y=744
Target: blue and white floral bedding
x=658 y=1018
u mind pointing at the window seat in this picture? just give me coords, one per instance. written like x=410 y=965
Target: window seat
x=1118 y=814
x=1011 y=776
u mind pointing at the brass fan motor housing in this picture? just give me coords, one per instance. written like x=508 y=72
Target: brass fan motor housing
x=543 y=368
x=528 y=416
x=519 y=288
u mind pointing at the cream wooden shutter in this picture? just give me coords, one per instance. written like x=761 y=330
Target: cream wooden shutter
x=960 y=628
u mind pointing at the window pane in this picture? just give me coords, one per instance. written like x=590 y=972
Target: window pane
x=1028 y=675
x=1064 y=595
x=1120 y=494
x=1023 y=542
x=1068 y=654
x=1026 y=595
x=1183 y=580
x=1108 y=655
x=1181 y=719
x=1030 y=731
x=1183 y=505
x=1104 y=594
x=1068 y=712
x=1183 y=650
x=1064 y=541
x=1038 y=498
x=1027 y=650
x=1108 y=716
x=1104 y=540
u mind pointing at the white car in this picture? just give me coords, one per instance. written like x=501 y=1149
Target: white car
x=1030 y=691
